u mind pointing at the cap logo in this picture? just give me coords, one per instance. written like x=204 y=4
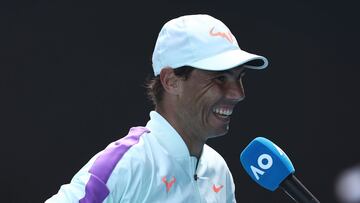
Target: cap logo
x=225 y=35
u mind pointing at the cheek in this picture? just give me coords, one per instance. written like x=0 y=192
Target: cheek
x=205 y=102
x=211 y=95
x=199 y=97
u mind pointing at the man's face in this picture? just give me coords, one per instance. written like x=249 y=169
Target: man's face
x=207 y=100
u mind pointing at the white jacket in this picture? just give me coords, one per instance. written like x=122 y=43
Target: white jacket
x=151 y=164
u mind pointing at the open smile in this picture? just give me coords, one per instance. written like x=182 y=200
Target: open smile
x=223 y=113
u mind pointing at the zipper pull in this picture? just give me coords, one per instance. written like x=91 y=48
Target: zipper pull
x=196 y=177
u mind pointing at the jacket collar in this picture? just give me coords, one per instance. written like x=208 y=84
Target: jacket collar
x=167 y=136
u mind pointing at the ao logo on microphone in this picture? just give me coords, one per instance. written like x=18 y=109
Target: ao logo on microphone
x=264 y=161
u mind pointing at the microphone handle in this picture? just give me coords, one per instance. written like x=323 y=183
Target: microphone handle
x=297 y=191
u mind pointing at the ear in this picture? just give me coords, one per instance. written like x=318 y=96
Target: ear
x=170 y=81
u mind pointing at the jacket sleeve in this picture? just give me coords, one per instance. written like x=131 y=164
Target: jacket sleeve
x=108 y=175
x=73 y=191
x=87 y=186
x=76 y=189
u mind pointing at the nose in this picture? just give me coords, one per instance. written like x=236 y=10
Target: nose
x=235 y=91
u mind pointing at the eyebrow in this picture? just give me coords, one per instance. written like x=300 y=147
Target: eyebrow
x=230 y=71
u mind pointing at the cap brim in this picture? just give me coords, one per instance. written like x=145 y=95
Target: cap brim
x=231 y=59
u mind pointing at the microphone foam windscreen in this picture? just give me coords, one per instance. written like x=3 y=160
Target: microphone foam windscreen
x=266 y=163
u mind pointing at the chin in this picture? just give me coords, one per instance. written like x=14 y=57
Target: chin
x=219 y=133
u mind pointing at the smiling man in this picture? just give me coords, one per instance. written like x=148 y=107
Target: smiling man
x=198 y=69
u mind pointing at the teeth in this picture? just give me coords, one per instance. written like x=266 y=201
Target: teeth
x=223 y=111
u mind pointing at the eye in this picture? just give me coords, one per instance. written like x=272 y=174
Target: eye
x=220 y=78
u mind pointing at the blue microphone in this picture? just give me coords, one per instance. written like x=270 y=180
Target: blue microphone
x=269 y=166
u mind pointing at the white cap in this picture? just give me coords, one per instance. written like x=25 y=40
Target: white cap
x=202 y=42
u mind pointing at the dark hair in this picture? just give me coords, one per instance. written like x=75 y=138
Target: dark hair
x=154 y=88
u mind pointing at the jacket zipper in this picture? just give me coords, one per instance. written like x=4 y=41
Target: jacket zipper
x=194 y=178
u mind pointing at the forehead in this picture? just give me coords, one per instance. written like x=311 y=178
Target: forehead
x=234 y=71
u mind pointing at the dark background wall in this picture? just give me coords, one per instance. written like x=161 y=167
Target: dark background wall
x=72 y=76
